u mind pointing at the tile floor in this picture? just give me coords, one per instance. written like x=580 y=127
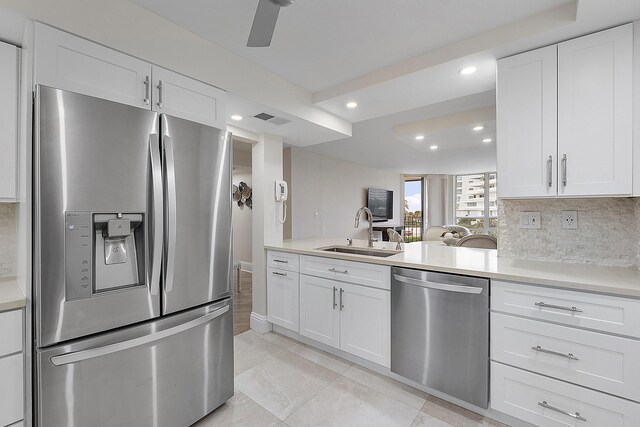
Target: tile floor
x=280 y=382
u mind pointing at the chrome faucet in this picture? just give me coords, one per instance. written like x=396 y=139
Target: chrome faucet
x=357 y=223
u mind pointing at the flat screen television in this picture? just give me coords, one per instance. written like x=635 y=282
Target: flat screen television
x=380 y=203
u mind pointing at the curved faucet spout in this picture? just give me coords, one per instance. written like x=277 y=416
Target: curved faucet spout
x=370 y=217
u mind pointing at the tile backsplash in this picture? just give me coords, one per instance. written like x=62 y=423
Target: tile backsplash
x=7 y=239
x=608 y=231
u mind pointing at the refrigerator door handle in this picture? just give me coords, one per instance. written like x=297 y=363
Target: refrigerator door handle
x=170 y=217
x=78 y=356
x=158 y=224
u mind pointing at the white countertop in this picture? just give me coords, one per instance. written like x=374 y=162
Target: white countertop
x=11 y=296
x=484 y=263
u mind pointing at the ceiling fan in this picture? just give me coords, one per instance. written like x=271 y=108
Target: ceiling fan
x=264 y=23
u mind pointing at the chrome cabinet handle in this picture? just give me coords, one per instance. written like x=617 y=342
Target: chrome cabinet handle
x=564 y=170
x=159 y=103
x=158 y=223
x=550 y=171
x=79 y=356
x=556 y=353
x=341 y=304
x=575 y=415
x=559 y=307
x=147 y=86
x=170 y=217
x=277 y=273
x=333 y=270
x=334 y=297
x=280 y=260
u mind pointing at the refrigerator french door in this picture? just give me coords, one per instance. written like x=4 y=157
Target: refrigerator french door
x=132 y=258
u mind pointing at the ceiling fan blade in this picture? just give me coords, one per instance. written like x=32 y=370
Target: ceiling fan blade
x=264 y=23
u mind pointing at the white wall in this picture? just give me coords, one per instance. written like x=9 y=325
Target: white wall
x=266 y=229
x=326 y=192
x=242 y=218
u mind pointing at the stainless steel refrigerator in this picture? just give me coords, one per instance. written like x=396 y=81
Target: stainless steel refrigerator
x=132 y=265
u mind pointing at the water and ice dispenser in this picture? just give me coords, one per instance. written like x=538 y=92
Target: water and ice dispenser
x=103 y=252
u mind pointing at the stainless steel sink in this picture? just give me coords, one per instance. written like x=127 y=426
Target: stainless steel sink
x=383 y=253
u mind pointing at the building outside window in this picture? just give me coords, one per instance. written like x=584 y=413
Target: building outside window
x=476 y=205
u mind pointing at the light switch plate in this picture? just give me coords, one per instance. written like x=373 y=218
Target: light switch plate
x=570 y=220
x=529 y=220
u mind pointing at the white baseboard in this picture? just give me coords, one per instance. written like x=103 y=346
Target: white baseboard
x=259 y=323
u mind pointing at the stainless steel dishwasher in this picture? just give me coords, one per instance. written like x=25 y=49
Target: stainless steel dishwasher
x=440 y=332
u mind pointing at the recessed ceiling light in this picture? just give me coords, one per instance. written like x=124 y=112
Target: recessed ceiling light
x=478 y=128
x=433 y=147
x=468 y=70
x=486 y=140
x=236 y=117
x=352 y=104
x=419 y=137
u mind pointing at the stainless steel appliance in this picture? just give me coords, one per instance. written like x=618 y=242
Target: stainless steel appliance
x=440 y=332
x=132 y=265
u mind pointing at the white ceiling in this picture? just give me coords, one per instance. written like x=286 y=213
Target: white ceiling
x=320 y=43
x=398 y=59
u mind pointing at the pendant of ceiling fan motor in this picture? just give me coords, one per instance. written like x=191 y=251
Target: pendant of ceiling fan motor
x=282 y=3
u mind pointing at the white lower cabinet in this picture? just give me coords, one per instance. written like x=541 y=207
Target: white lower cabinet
x=545 y=401
x=11 y=367
x=282 y=298
x=319 y=313
x=353 y=318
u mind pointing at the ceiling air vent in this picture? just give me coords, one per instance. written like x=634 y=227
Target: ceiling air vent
x=272 y=119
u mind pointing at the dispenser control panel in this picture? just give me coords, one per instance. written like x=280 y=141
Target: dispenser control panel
x=78 y=254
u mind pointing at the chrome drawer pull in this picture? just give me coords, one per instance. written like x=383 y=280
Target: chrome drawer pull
x=559 y=307
x=576 y=415
x=550 y=171
x=556 y=353
x=333 y=270
x=276 y=273
x=334 y=297
x=281 y=260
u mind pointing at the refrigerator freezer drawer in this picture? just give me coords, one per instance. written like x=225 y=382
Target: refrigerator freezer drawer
x=170 y=372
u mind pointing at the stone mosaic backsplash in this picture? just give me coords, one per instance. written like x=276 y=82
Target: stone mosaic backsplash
x=608 y=231
x=7 y=239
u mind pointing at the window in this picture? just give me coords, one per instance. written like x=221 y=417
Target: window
x=413 y=208
x=476 y=205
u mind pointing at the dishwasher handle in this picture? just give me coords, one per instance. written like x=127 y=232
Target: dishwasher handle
x=438 y=286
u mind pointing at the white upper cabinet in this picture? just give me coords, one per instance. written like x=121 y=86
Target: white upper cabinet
x=8 y=122
x=527 y=124
x=565 y=118
x=68 y=62
x=595 y=113
x=180 y=96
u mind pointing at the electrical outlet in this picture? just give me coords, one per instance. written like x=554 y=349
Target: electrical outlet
x=569 y=220
x=529 y=220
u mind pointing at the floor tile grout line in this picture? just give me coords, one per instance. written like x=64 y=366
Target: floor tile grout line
x=314 y=395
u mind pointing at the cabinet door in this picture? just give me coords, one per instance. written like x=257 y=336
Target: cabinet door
x=365 y=322
x=595 y=114
x=319 y=312
x=283 y=298
x=183 y=97
x=8 y=122
x=68 y=62
x=11 y=389
x=527 y=124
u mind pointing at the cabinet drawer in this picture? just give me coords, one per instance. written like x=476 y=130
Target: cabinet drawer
x=376 y=276
x=11 y=389
x=283 y=261
x=593 y=311
x=283 y=298
x=599 y=361
x=521 y=394
x=10 y=332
